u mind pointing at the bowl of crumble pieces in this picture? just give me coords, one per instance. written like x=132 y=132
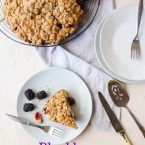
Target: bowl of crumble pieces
x=46 y=22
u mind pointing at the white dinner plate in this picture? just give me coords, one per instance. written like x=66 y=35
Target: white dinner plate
x=56 y=79
x=100 y=59
x=116 y=36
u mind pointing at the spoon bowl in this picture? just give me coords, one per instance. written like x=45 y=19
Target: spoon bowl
x=118 y=93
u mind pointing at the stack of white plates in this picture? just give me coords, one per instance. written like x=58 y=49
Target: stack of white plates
x=113 y=45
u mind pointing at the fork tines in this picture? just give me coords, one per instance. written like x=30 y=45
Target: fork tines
x=135 y=49
x=55 y=132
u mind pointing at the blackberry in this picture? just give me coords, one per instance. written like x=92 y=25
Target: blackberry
x=41 y=95
x=71 y=100
x=28 y=107
x=29 y=94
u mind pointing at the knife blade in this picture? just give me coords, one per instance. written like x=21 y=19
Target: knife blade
x=113 y=119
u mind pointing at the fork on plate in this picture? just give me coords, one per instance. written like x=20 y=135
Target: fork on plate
x=53 y=131
x=135 y=47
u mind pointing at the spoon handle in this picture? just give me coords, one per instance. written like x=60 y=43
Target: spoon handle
x=142 y=129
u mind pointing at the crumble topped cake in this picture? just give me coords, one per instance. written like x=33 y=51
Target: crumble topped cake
x=58 y=109
x=42 y=21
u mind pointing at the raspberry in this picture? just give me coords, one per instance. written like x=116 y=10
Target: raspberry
x=28 y=107
x=29 y=94
x=38 y=117
x=41 y=95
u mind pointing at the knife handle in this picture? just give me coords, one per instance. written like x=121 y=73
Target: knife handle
x=125 y=137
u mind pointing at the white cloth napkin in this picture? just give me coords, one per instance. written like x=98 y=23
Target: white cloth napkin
x=79 y=57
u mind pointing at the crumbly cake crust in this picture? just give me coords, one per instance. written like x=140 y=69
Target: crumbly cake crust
x=42 y=21
x=58 y=110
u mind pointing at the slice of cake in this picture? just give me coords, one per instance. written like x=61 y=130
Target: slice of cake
x=58 y=109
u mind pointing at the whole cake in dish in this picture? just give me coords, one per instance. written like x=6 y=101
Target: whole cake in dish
x=42 y=21
x=58 y=109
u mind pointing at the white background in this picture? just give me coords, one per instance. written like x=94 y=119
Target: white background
x=18 y=63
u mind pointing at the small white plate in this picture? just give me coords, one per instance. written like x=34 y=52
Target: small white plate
x=56 y=79
x=101 y=61
x=116 y=36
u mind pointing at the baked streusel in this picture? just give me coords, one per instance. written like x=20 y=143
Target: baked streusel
x=58 y=109
x=42 y=21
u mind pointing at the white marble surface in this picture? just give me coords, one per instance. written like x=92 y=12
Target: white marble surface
x=17 y=63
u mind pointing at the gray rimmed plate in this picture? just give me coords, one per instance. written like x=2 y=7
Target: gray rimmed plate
x=56 y=79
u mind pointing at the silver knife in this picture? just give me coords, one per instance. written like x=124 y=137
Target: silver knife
x=114 y=121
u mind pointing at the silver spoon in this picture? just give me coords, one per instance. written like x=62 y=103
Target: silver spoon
x=121 y=99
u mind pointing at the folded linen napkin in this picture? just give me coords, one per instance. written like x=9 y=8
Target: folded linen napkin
x=79 y=57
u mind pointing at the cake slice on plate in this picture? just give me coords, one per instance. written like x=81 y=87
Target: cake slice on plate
x=58 y=109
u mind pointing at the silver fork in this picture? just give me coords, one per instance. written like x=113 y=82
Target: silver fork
x=53 y=131
x=135 y=47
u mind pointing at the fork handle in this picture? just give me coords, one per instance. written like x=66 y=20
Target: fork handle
x=20 y=120
x=140 y=10
x=142 y=129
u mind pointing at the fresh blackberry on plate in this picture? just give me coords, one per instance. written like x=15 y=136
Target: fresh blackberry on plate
x=71 y=100
x=30 y=95
x=28 y=107
x=41 y=95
